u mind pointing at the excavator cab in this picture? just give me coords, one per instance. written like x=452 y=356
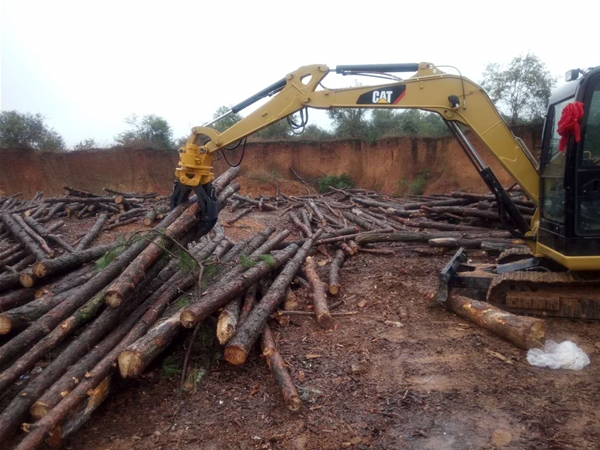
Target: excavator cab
x=570 y=177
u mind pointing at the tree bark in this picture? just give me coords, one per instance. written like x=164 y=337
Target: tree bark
x=524 y=332
x=265 y=206
x=46 y=233
x=334 y=272
x=306 y=231
x=318 y=294
x=92 y=233
x=66 y=263
x=225 y=179
x=487 y=243
x=16 y=299
x=371 y=238
x=249 y=302
x=364 y=224
x=291 y=399
x=22 y=236
x=149 y=218
x=36 y=237
x=238 y=348
x=318 y=212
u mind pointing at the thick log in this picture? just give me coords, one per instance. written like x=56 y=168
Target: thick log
x=68 y=262
x=318 y=213
x=442 y=226
x=80 y=296
x=8 y=281
x=449 y=202
x=52 y=212
x=371 y=238
x=228 y=321
x=149 y=218
x=16 y=299
x=318 y=294
x=222 y=293
x=46 y=233
x=524 y=332
x=348 y=237
x=291 y=399
x=486 y=243
x=22 y=236
x=238 y=348
x=92 y=233
x=225 y=179
x=491 y=198
x=383 y=224
x=306 y=231
x=334 y=272
x=364 y=224
x=470 y=212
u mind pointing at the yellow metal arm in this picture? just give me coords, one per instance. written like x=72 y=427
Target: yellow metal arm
x=455 y=98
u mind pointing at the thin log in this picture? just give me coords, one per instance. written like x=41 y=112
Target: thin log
x=489 y=243
x=239 y=347
x=318 y=294
x=92 y=233
x=249 y=302
x=291 y=399
x=359 y=221
x=149 y=218
x=265 y=206
x=16 y=299
x=62 y=264
x=524 y=332
x=22 y=236
x=306 y=231
x=377 y=251
x=239 y=215
x=36 y=237
x=79 y=193
x=334 y=272
x=80 y=199
x=370 y=238
x=46 y=233
x=318 y=212
x=220 y=294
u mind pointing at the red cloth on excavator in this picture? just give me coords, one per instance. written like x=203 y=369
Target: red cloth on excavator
x=568 y=125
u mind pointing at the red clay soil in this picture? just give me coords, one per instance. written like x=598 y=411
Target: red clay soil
x=398 y=373
x=389 y=165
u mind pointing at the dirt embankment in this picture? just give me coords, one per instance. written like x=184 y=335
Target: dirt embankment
x=389 y=165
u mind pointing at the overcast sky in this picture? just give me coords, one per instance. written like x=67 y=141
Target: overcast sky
x=87 y=65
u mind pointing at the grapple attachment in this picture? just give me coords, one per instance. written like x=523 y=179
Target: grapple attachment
x=207 y=201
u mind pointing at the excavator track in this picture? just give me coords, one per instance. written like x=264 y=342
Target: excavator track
x=514 y=254
x=549 y=294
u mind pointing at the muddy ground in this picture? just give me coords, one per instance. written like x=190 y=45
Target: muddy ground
x=399 y=373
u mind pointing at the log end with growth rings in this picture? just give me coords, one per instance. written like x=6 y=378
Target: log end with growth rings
x=39 y=269
x=235 y=355
x=113 y=298
x=5 y=324
x=39 y=410
x=188 y=319
x=26 y=279
x=293 y=403
x=130 y=364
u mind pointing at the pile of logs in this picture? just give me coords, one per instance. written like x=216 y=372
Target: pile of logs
x=119 y=314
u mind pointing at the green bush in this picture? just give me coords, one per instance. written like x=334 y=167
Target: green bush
x=342 y=181
x=417 y=187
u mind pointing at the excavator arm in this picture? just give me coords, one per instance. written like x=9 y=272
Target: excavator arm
x=456 y=99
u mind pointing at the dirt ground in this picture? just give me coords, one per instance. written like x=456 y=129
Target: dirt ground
x=398 y=373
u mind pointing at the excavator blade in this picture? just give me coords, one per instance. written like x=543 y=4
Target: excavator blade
x=533 y=289
x=207 y=201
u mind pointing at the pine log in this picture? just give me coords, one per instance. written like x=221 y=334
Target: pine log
x=68 y=262
x=249 y=302
x=318 y=212
x=228 y=320
x=334 y=272
x=13 y=258
x=291 y=399
x=524 y=332
x=222 y=293
x=11 y=250
x=16 y=299
x=379 y=222
x=265 y=206
x=443 y=226
x=226 y=193
x=46 y=233
x=225 y=179
x=449 y=202
x=36 y=237
x=149 y=218
x=305 y=218
x=486 y=243
x=80 y=199
x=52 y=212
x=359 y=221
x=8 y=281
x=370 y=238
x=306 y=231
x=22 y=236
x=79 y=193
x=345 y=248
x=491 y=198
x=318 y=294
x=52 y=319
x=238 y=348
x=92 y=233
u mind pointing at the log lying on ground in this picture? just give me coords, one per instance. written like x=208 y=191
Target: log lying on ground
x=47 y=233
x=318 y=294
x=228 y=321
x=371 y=238
x=485 y=243
x=239 y=346
x=239 y=215
x=334 y=272
x=91 y=235
x=22 y=236
x=365 y=224
x=306 y=231
x=248 y=304
x=291 y=399
x=36 y=237
x=80 y=296
x=524 y=332
x=264 y=206
x=68 y=262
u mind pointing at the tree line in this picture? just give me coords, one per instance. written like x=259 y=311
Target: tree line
x=520 y=91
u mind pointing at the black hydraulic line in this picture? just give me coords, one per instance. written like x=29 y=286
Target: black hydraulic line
x=270 y=90
x=404 y=67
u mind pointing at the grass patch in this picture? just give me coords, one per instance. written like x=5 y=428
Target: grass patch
x=342 y=181
x=417 y=187
x=104 y=261
x=171 y=366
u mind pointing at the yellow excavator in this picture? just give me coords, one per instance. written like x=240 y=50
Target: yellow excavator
x=559 y=275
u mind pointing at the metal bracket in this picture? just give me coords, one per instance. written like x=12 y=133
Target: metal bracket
x=448 y=273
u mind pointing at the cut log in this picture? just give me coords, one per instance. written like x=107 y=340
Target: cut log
x=22 y=236
x=36 y=237
x=334 y=272
x=47 y=234
x=249 y=302
x=149 y=218
x=524 y=332
x=485 y=243
x=318 y=294
x=238 y=348
x=291 y=399
x=15 y=299
x=265 y=206
x=220 y=294
x=79 y=193
x=92 y=233
x=306 y=231
x=318 y=213
x=225 y=179
x=370 y=238
x=228 y=321
x=63 y=264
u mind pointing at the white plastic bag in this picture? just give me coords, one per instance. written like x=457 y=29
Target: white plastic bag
x=565 y=355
